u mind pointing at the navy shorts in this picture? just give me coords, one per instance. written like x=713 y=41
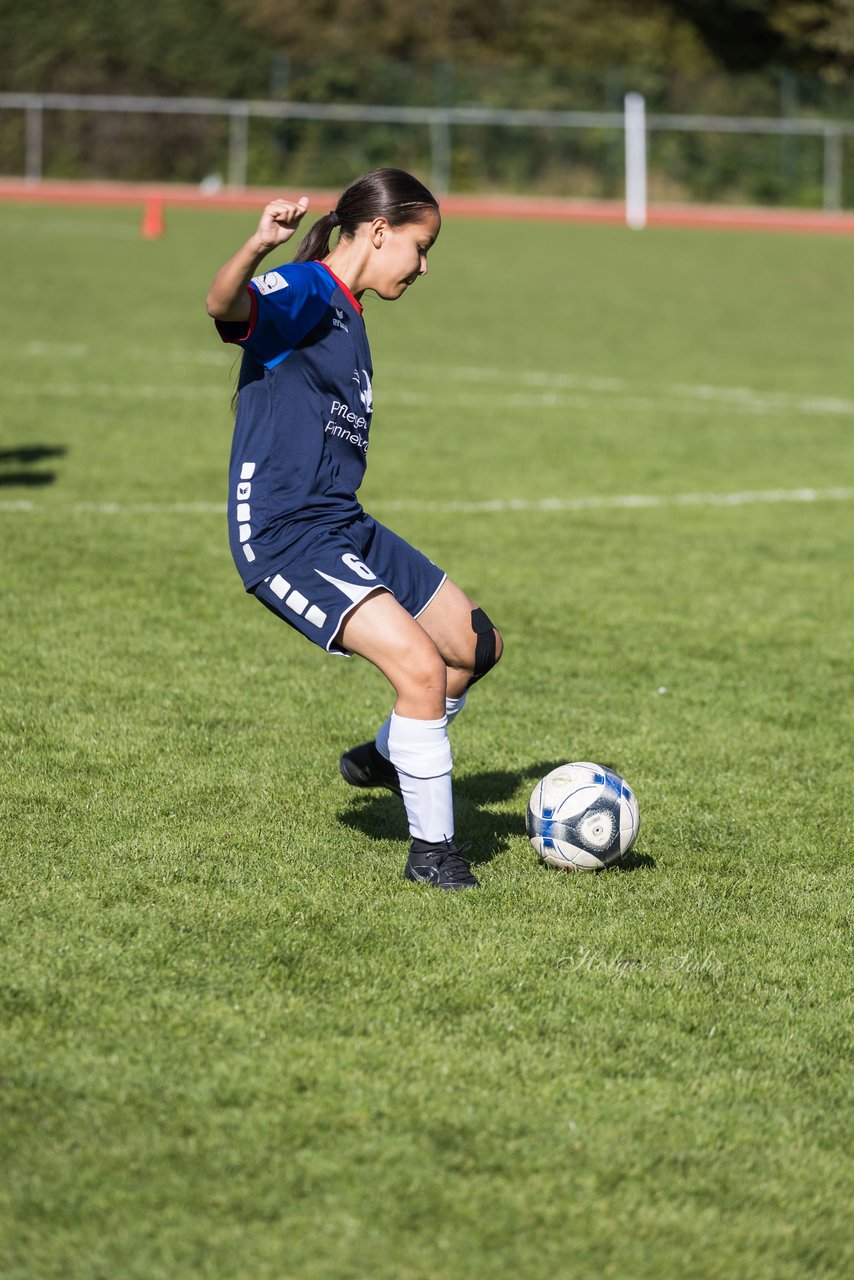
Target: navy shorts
x=337 y=569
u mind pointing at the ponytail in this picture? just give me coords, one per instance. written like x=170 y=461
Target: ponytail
x=315 y=243
x=392 y=194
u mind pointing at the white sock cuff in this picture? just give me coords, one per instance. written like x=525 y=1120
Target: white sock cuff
x=419 y=748
x=382 y=738
x=453 y=706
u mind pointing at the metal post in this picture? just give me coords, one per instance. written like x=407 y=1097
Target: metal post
x=635 y=129
x=238 y=146
x=440 y=153
x=34 y=138
x=832 y=170
x=788 y=143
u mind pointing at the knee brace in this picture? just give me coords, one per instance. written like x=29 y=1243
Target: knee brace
x=485 y=648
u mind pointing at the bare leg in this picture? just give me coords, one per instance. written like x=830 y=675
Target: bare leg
x=384 y=633
x=429 y=662
x=447 y=620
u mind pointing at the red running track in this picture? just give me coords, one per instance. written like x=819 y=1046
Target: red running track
x=543 y=208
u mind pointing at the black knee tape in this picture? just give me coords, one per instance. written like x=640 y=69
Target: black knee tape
x=484 y=653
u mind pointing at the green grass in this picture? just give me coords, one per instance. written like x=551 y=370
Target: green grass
x=235 y=1045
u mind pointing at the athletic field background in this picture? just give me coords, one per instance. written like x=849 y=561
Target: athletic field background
x=235 y=1044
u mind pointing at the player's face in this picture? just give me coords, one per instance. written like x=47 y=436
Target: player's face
x=402 y=255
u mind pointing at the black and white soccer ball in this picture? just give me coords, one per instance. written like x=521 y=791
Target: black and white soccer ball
x=582 y=817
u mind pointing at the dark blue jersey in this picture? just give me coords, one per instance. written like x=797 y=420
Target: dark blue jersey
x=303 y=415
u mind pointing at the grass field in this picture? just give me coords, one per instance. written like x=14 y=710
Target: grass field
x=235 y=1044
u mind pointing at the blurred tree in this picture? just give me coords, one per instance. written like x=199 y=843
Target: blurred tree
x=833 y=40
x=804 y=35
x=228 y=47
x=115 y=46
x=569 y=33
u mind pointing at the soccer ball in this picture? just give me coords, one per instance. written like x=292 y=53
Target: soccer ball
x=582 y=817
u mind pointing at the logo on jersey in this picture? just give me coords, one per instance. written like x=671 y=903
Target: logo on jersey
x=271 y=282
x=366 y=394
x=340 y=317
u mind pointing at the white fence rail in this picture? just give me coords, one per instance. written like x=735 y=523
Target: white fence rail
x=438 y=120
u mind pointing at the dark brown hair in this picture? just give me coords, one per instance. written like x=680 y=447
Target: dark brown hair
x=392 y=194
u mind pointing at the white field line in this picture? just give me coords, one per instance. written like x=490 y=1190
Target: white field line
x=627 y=501
x=216 y=357
x=526 y=388
x=556 y=400
x=62 y=227
x=743 y=398
x=115 y=508
x=117 y=391
x=171 y=393
x=630 y=501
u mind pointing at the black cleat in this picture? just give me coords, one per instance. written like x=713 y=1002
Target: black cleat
x=365 y=766
x=439 y=865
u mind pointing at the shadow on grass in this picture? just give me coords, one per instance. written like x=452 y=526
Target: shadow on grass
x=28 y=456
x=380 y=815
x=634 y=862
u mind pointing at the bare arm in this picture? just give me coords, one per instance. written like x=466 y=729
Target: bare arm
x=227 y=296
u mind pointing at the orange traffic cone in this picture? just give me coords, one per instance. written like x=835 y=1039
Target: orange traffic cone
x=153 y=224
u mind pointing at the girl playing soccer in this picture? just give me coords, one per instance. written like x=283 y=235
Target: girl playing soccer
x=300 y=539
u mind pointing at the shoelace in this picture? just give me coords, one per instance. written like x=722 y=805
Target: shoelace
x=455 y=867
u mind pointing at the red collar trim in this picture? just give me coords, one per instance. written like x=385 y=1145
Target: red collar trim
x=342 y=286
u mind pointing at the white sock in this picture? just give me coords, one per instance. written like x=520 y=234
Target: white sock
x=421 y=753
x=453 y=707
x=382 y=738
